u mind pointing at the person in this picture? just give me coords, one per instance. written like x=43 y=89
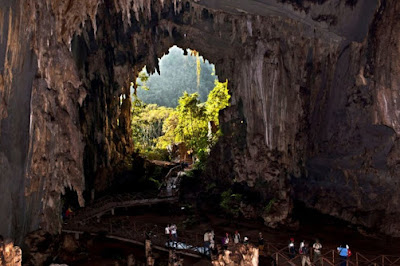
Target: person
x=174 y=233
x=343 y=252
x=236 y=238
x=68 y=212
x=292 y=250
x=348 y=251
x=212 y=242
x=168 y=235
x=225 y=241
x=305 y=254
x=317 y=252
x=301 y=247
x=245 y=240
x=260 y=241
x=207 y=236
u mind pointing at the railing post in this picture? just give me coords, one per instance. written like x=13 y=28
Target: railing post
x=277 y=258
x=357 y=258
x=333 y=257
x=383 y=260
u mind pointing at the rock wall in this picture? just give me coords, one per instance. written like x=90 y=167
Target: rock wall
x=352 y=172
x=313 y=113
x=17 y=70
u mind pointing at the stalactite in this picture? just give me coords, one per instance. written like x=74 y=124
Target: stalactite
x=286 y=83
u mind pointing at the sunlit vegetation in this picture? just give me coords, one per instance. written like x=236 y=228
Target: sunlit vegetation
x=147 y=127
x=178 y=73
x=193 y=124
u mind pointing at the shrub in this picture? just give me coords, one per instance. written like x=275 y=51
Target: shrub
x=230 y=202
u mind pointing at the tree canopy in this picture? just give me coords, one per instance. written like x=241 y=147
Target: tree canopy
x=188 y=83
x=178 y=73
x=189 y=123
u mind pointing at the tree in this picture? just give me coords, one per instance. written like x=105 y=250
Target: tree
x=192 y=122
x=217 y=100
x=189 y=122
x=147 y=125
x=178 y=73
x=168 y=130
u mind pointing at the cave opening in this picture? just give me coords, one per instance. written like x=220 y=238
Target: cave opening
x=311 y=119
x=69 y=202
x=175 y=110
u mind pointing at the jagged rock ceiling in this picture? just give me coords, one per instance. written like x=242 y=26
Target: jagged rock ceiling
x=313 y=113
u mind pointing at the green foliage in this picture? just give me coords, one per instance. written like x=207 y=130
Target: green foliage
x=168 y=130
x=178 y=73
x=147 y=125
x=230 y=203
x=217 y=100
x=156 y=182
x=211 y=186
x=268 y=207
x=192 y=125
x=189 y=122
x=155 y=128
x=154 y=153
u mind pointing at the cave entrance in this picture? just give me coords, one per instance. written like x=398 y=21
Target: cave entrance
x=175 y=111
x=70 y=202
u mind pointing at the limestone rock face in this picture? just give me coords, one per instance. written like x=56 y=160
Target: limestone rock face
x=41 y=247
x=313 y=111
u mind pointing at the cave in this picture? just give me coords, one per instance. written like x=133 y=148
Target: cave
x=313 y=115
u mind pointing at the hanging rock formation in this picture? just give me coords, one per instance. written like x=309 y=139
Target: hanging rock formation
x=313 y=113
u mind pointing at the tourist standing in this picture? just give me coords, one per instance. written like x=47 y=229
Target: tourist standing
x=207 y=236
x=260 y=242
x=236 y=238
x=174 y=233
x=317 y=252
x=305 y=254
x=225 y=241
x=167 y=235
x=343 y=252
x=301 y=247
x=292 y=250
x=212 y=242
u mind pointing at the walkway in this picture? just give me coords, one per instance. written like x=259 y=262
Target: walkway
x=110 y=203
x=279 y=252
x=168 y=193
x=190 y=244
x=124 y=229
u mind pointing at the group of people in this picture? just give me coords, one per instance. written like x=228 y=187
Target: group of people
x=304 y=248
x=171 y=233
x=304 y=251
x=227 y=239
